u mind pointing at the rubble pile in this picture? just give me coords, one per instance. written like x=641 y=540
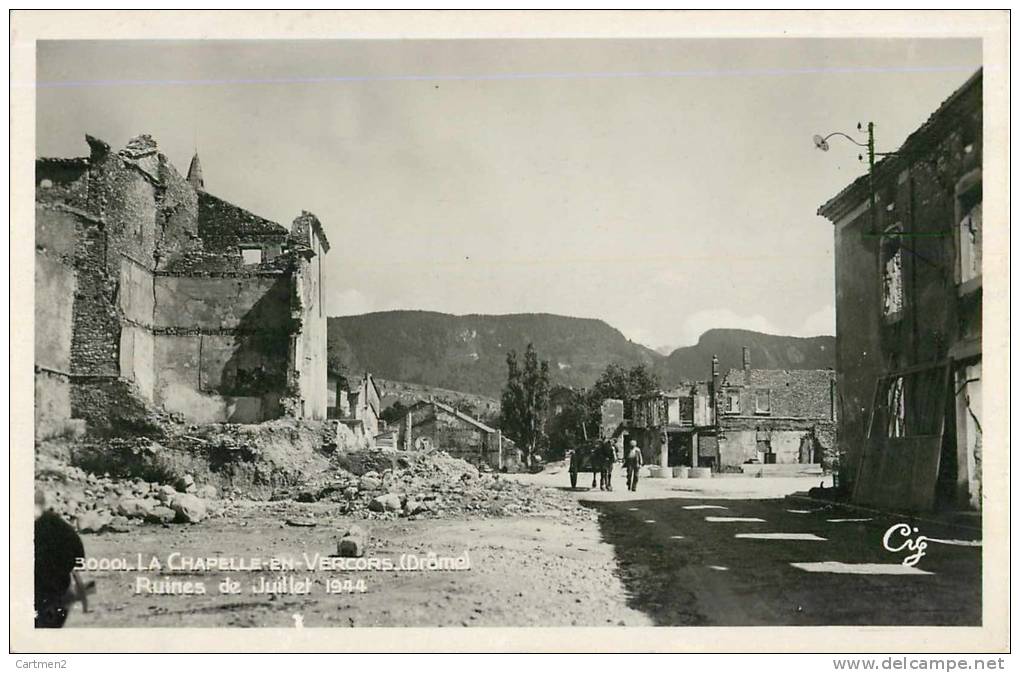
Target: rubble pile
x=246 y=461
x=94 y=503
x=432 y=485
x=395 y=485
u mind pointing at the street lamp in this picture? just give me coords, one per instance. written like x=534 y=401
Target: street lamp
x=822 y=143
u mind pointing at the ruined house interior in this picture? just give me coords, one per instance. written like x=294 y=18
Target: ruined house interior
x=163 y=298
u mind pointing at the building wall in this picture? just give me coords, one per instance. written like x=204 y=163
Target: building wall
x=222 y=346
x=737 y=447
x=311 y=359
x=459 y=438
x=743 y=438
x=708 y=448
x=740 y=446
x=149 y=303
x=859 y=360
x=915 y=194
x=55 y=286
x=332 y=393
x=805 y=393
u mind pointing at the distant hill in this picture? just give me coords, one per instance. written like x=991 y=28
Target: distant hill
x=468 y=353
x=768 y=351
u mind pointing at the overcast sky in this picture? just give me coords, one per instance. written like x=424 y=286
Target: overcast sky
x=664 y=186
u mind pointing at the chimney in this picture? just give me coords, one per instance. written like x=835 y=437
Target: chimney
x=747 y=358
x=714 y=393
x=195 y=174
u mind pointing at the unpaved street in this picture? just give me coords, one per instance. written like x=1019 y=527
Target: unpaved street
x=524 y=571
x=721 y=552
x=677 y=552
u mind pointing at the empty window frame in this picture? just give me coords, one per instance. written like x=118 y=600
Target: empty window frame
x=910 y=404
x=733 y=401
x=763 y=402
x=892 y=273
x=969 y=231
x=251 y=256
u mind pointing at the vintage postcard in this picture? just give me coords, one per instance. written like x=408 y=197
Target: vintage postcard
x=631 y=331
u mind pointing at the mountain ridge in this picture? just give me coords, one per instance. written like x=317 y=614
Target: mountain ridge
x=468 y=352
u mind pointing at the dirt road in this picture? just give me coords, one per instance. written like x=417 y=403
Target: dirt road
x=677 y=552
x=544 y=570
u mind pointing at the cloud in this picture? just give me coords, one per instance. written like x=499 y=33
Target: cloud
x=820 y=323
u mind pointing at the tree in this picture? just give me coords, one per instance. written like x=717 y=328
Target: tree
x=619 y=383
x=525 y=402
x=394 y=412
x=573 y=420
x=579 y=416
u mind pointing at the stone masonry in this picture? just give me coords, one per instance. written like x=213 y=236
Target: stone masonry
x=154 y=296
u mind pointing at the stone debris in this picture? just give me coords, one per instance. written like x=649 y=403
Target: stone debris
x=352 y=543
x=431 y=485
x=386 y=503
x=301 y=522
x=161 y=514
x=189 y=508
x=93 y=521
x=100 y=503
x=186 y=484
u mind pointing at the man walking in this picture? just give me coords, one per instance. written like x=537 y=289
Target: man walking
x=634 y=463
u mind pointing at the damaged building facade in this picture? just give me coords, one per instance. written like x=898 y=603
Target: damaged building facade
x=153 y=295
x=749 y=419
x=356 y=408
x=430 y=424
x=908 y=316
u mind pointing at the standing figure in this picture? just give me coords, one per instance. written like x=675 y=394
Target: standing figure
x=608 y=449
x=634 y=463
x=57 y=550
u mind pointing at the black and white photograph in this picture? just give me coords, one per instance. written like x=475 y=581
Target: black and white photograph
x=333 y=332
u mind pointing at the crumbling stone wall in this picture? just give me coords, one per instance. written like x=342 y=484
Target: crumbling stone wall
x=177 y=232
x=802 y=393
x=149 y=304
x=448 y=432
x=225 y=228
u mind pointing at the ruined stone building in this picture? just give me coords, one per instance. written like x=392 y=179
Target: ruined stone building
x=431 y=425
x=908 y=316
x=775 y=416
x=665 y=425
x=153 y=295
x=357 y=408
x=749 y=417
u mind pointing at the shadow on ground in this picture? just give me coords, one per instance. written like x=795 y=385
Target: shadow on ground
x=680 y=569
x=653 y=574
